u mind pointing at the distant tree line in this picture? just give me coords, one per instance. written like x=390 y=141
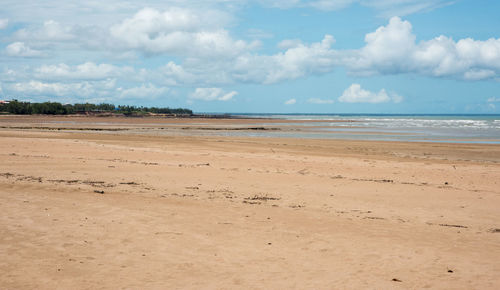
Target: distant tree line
x=54 y=108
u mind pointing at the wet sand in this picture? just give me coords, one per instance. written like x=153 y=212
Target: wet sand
x=87 y=208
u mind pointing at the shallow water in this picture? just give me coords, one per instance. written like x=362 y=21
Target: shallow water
x=417 y=128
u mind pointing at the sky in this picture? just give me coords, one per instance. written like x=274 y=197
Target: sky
x=244 y=56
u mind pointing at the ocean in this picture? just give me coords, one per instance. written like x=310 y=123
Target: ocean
x=387 y=127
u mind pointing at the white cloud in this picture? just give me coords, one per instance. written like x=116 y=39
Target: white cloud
x=385 y=8
x=355 y=94
x=389 y=8
x=50 y=31
x=388 y=47
x=290 y=102
x=145 y=91
x=207 y=55
x=295 y=62
x=392 y=49
x=302 y=60
x=175 y=74
x=258 y=33
x=19 y=49
x=58 y=89
x=320 y=101
x=479 y=74
x=212 y=94
x=289 y=43
x=85 y=71
x=109 y=11
x=396 y=98
x=179 y=31
x=13 y=75
x=493 y=100
x=3 y=23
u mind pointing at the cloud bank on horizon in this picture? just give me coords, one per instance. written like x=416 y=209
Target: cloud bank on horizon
x=200 y=53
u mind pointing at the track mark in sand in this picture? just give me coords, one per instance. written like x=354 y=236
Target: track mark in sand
x=303 y=171
x=494 y=230
x=337 y=177
x=374 y=180
x=251 y=202
x=453 y=226
x=129 y=183
x=221 y=193
x=374 y=218
x=168 y=233
x=182 y=195
x=448 y=225
x=194 y=165
x=29 y=178
x=361 y=211
x=28 y=156
x=126 y=161
x=262 y=198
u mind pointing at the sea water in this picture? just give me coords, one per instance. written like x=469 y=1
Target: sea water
x=383 y=127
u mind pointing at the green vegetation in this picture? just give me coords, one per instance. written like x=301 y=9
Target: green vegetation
x=54 y=108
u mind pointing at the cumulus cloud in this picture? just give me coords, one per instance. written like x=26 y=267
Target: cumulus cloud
x=175 y=74
x=320 y=101
x=49 y=31
x=3 y=23
x=19 y=49
x=197 y=50
x=59 y=89
x=110 y=11
x=145 y=91
x=212 y=94
x=289 y=43
x=85 y=71
x=298 y=61
x=355 y=94
x=293 y=63
x=392 y=49
x=179 y=31
x=290 y=102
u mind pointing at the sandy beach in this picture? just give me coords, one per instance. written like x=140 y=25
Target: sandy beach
x=144 y=203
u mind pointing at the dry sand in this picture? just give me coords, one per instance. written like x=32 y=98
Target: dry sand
x=111 y=209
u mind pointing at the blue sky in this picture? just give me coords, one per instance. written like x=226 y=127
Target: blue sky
x=282 y=56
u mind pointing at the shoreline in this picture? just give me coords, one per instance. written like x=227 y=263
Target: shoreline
x=340 y=129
